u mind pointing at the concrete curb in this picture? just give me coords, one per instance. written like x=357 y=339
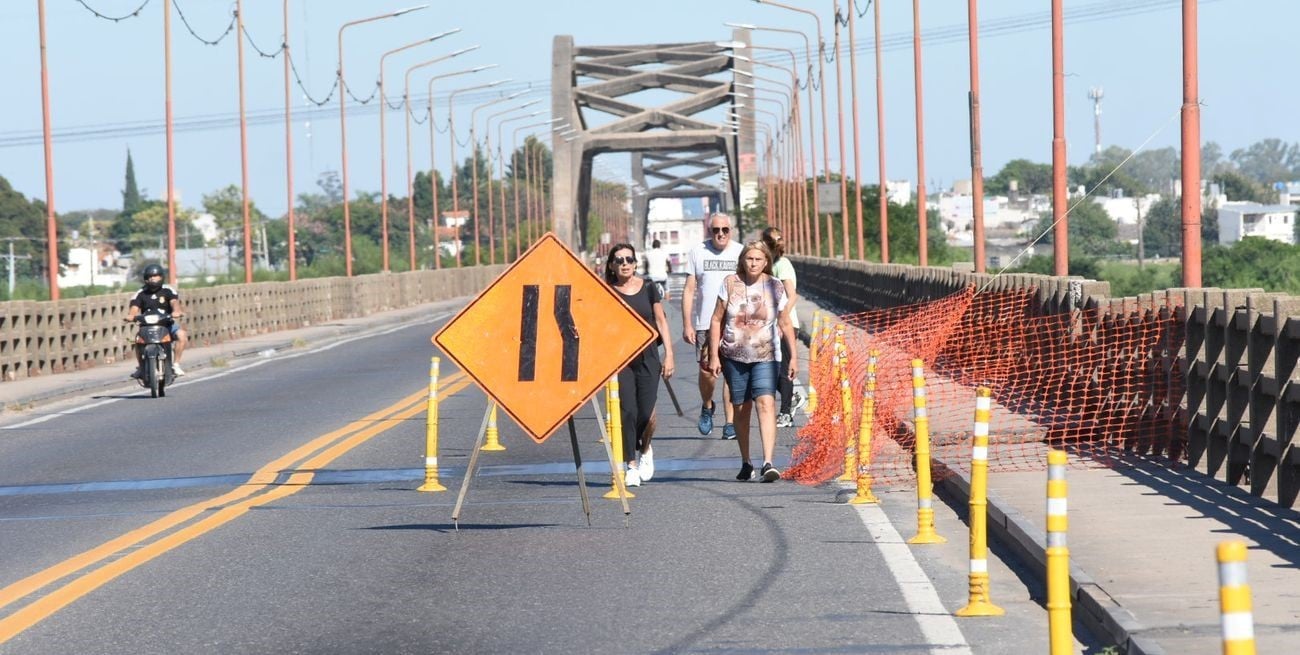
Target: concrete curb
x=1092 y=604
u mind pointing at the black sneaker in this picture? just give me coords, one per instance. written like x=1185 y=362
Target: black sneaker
x=746 y=472
x=770 y=473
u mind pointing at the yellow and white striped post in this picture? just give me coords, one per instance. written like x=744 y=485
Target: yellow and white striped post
x=979 y=603
x=1235 y=609
x=431 y=433
x=1060 y=631
x=864 y=495
x=615 y=424
x=925 y=533
x=493 y=442
x=846 y=405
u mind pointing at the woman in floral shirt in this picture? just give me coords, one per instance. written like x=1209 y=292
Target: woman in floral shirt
x=749 y=320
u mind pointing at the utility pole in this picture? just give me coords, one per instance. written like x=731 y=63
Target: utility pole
x=1137 y=202
x=1096 y=94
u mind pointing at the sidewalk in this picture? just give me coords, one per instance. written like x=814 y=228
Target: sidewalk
x=21 y=395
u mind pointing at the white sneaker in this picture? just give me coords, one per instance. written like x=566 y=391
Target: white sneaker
x=177 y=370
x=798 y=399
x=631 y=478
x=646 y=465
x=784 y=420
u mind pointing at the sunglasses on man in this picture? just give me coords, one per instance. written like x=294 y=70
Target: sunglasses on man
x=721 y=230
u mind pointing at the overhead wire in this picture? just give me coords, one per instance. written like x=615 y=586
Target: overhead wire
x=190 y=28
x=115 y=19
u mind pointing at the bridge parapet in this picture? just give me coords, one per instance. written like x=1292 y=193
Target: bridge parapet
x=1232 y=376
x=40 y=338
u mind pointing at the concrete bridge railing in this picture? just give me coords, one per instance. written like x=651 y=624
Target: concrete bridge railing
x=1240 y=407
x=45 y=337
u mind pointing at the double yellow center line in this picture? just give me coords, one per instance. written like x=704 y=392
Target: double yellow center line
x=160 y=536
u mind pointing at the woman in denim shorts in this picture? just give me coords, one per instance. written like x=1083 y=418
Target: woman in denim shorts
x=750 y=319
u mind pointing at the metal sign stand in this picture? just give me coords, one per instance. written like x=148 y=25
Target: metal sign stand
x=676 y=405
x=613 y=466
x=577 y=463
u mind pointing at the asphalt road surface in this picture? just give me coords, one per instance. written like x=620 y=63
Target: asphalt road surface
x=270 y=506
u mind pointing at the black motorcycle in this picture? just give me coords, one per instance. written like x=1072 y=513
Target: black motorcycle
x=153 y=341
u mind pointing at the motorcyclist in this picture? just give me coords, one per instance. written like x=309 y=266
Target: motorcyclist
x=157 y=298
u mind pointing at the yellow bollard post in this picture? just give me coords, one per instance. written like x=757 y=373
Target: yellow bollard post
x=812 y=338
x=925 y=533
x=1237 y=618
x=846 y=405
x=616 y=441
x=431 y=433
x=1059 y=629
x=864 y=495
x=979 y=603
x=493 y=441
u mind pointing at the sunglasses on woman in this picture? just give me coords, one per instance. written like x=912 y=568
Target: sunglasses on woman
x=624 y=260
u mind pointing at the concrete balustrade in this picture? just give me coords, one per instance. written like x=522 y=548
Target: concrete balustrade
x=41 y=338
x=1231 y=379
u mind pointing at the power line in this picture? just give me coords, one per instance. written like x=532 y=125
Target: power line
x=897 y=41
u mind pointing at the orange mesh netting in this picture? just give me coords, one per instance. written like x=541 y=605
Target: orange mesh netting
x=1097 y=382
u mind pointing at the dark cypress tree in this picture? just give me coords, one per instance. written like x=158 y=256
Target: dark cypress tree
x=131 y=201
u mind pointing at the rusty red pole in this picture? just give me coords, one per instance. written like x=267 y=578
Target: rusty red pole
x=976 y=165
x=857 y=138
x=922 y=226
x=167 y=111
x=1060 y=200
x=243 y=145
x=343 y=133
x=288 y=151
x=1191 y=119
x=880 y=130
x=839 y=106
x=51 y=226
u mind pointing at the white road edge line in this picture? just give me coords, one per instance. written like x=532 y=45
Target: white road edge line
x=231 y=371
x=936 y=623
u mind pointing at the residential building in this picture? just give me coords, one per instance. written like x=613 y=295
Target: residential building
x=1238 y=220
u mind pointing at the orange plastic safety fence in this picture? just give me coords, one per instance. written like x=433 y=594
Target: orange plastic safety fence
x=1100 y=383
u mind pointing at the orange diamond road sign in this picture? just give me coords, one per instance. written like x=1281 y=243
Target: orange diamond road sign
x=544 y=337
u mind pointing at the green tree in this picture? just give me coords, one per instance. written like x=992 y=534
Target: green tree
x=1253 y=262
x=1043 y=265
x=132 y=201
x=1092 y=232
x=1237 y=186
x=1162 y=228
x=1268 y=161
x=1030 y=177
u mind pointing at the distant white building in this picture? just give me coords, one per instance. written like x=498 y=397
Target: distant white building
x=899 y=192
x=86 y=267
x=1238 y=220
x=1124 y=210
x=677 y=230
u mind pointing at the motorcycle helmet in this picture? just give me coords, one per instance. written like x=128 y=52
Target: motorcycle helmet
x=150 y=271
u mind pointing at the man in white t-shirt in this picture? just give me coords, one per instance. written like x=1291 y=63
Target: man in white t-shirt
x=657 y=268
x=706 y=266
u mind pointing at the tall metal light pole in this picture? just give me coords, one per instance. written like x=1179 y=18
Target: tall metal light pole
x=343 y=131
x=487 y=138
x=922 y=218
x=288 y=150
x=433 y=159
x=383 y=141
x=51 y=226
x=451 y=138
x=812 y=140
x=167 y=112
x=857 y=138
x=826 y=147
x=473 y=119
x=1191 y=151
x=976 y=163
x=1060 y=203
x=243 y=145
x=880 y=138
x=501 y=163
x=410 y=190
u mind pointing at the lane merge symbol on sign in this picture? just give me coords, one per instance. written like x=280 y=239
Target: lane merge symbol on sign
x=544 y=337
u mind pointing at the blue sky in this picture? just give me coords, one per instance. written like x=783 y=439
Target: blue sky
x=110 y=75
